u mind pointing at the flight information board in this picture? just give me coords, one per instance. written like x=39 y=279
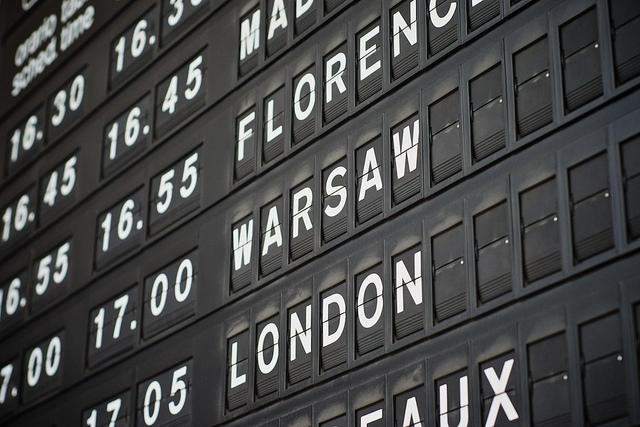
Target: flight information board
x=324 y=213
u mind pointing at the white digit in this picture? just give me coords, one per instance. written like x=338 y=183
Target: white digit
x=132 y=128
x=99 y=321
x=29 y=136
x=120 y=52
x=184 y=269
x=6 y=227
x=54 y=352
x=76 y=93
x=154 y=390
x=15 y=144
x=139 y=39
x=194 y=78
x=68 y=176
x=1 y=301
x=178 y=8
x=92 y=421
x=13 y=297
x=106 y=231
x=165 y=191
x=178 y=386
x=156 y=305
x=113 y=136
x=125 y=223
x=22 y=213
x=59 y=102
x=5 y=373
x=62 y=263
x=114 y=408
x=121 y=305
x=51 y=192
x=34 y=367
x=171 y=97
x=43 y=275
x=189 y=173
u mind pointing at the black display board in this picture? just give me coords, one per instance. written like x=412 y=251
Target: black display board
x=319 y=213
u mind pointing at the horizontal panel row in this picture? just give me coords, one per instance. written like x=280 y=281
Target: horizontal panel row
x=157 y=291
x=581 y=350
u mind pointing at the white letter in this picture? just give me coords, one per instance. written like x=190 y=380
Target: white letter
x=235 y=379
x=311 y=81
x=250 y=35
x=329 y=338
x=437 y=20
x=365 y=51
x=407 y=150
x=464 y=404
x=370 y=165
x=370 y=417
x=414 y=286
x=278 y=18
x=244 y=133
x=410 y=31
x=368 y=322
x=335 y=77
x=411 y=414
x=501 y=398
x=273 y=234
x=298 y=331
x=242 y=244
x=335 y=190
x=302 y=6
x=302 y=212
x=271 y=132
x=272 y=329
